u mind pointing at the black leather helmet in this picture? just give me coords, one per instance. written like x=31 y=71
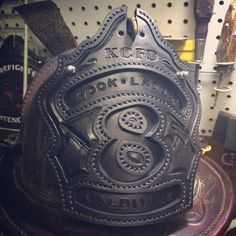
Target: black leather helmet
x=110 y=129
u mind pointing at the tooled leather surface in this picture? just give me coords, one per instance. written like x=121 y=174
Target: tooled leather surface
x=209 y=215
x=117 y=142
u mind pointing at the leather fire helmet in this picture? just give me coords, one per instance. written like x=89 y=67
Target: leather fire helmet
x=110 y=129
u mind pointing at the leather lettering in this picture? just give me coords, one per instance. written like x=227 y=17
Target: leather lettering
x=110 y=53
x=139 y=53
x=112 y=83
x=125 y=52
x=152 y=55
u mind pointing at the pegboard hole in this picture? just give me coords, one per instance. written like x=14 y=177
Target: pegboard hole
x=186 y=4
x=6 y=25
x=2 y=12
x=228 y=96
x=154 y=5
x=73 y=23
x=214 y=81
x=185 y=21
x=218 y=37
x=138 y=5
x=121 y=33
x=210 y=119
x=83 y=8
x=142 y=34
x=230 y=83
x=227 y=108
x=86 y=23
x=209 y=131
x=212 y=108
x=98 y=23
x=109 y=7
x=213 y=95
x=70 y=8
x=96 y=8
x=17 y=25
x=169 y=21
x=13 y=11
x=76 y=37
x=220 y=20
x=221 y=2
x=45 y=50
x=88 y=37
x=199 y=81
x=203 y=131
x=169 y=4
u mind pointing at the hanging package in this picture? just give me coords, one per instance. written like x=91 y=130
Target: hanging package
x=11 y=85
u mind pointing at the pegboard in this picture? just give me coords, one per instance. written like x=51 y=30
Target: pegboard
x=12 y=23
x=84 y=17
x=208 y=77
x=175 y=19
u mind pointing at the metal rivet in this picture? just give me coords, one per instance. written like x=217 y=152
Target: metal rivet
x=183 y=74
x=70 y=69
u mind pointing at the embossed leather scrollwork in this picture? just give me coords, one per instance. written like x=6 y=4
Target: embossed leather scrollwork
x=118 y=130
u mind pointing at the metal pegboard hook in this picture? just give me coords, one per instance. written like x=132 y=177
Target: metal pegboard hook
x=222 y=68
x=199 y=87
